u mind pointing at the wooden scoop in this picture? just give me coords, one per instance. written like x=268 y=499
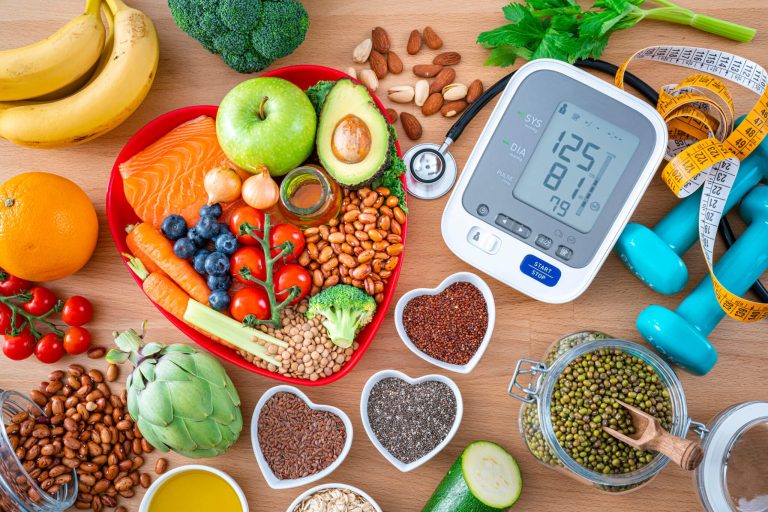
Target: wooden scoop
x=649 y=435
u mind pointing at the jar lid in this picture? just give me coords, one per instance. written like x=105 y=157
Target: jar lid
x=734 y=472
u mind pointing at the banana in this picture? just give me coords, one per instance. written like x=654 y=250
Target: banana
x=56 y=62
x=111 y=96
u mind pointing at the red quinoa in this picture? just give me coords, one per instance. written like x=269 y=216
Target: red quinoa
x=449 y=326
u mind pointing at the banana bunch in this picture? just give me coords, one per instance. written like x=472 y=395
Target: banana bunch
x=79 y=83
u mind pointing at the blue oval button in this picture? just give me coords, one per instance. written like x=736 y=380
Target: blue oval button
x=540 y=270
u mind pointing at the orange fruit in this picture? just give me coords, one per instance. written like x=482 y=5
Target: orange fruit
x=48 y=227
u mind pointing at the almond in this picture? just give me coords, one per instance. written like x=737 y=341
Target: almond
x=426 y=70
x=431 y=38
x=392 y=114
x=414 y=43
x=474 y=91
x=394 y=63
x=433 y=104
x=378 y=64
x=411 y=126
x=401 y=93
x=443 y=78
x=362 y=51
x=453 y=108
x=380 y=40
x=421 y=92
x=369 y=79
x=447 y=59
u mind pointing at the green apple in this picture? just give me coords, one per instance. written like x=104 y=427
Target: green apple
x=266 y=121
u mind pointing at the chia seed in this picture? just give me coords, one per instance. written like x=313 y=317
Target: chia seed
x=411 y=420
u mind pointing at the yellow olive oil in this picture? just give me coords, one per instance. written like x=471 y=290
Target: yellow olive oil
x=195 y=491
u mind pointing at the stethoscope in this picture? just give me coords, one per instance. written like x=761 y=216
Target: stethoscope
x=432 y=170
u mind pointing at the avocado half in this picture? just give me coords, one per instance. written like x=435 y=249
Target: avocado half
x=353 y=136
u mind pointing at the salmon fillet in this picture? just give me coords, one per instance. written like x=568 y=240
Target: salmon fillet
x=167 y=176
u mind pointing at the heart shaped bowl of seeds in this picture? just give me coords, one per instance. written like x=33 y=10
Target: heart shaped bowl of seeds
x=297 y=442
x=449 y=326
x=336 y=498
x=410 y=420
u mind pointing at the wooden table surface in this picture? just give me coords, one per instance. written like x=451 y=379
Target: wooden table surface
x=188 y=75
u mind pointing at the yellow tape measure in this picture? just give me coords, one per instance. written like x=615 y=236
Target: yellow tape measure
x=705 y=149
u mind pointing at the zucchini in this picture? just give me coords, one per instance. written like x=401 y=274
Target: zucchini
x=485 y=478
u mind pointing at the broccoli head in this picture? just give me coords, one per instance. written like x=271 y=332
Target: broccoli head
x=248 y=34
x=346 y=310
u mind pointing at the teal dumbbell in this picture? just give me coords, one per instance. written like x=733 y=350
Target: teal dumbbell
x=681 y=335
x=654 y=255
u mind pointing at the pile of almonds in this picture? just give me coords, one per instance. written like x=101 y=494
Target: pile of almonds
x=85 y=428
x=443 y=94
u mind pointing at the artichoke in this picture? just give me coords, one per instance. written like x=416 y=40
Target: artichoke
x=181 y=399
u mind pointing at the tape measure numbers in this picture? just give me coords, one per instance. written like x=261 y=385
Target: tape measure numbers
x=705 y=149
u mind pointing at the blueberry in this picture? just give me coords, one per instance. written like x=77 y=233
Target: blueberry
x=174 y=227
x=219 y=282
x=217 y=264
x=184 y=248
x=213 y=210
x=223 y=229
x=226 y=243
x=199 y=260
x=207 y=227
x=194 y=235
x=219 y=300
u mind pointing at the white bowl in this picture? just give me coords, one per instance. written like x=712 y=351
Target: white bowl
x=313 y=490
x=455 y=278
x=384 y=374
x=145 y=501
x=272 y=480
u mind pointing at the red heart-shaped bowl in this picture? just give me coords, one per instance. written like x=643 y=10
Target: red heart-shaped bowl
x=120 y=214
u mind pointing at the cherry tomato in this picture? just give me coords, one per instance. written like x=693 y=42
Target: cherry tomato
x=12 y=285
x=251 y=257
x=291 y=275
x=77 y=340
x=250 y=301
x=287 y=233
x=250 y=215
x=77 y=311
x=6 y=318
x=49 y=349
x=42 y=301
x=19 y=347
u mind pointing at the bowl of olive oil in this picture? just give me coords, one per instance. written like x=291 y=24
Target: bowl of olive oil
x=194 y=487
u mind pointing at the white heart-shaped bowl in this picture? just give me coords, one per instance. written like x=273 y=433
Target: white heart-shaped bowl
x=313 y=490
x=448 y=281
x=272 y=480
x=384 y=374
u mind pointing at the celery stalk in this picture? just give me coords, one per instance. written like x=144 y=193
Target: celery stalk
x=230 y=330
x=682 y=16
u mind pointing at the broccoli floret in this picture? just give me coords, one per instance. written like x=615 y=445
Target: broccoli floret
x=346 y=310
x=248 y=34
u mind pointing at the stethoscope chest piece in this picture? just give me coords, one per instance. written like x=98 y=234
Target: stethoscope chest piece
x=431 y=169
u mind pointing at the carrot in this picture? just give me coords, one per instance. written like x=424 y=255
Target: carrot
x=137 y=251
x=159 y=251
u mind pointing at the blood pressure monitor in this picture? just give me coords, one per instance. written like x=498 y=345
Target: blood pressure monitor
x=558 y=170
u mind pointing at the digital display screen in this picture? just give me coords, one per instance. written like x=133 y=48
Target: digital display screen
x=575 y=167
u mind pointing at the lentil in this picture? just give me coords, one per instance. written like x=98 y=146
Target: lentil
x=334 y=500
x=310 y=355
x=411 y=420
x=297 y=441
x=449 y=326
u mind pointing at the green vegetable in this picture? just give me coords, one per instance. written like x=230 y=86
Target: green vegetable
x=248 y=34
x=318 y=92
x=181 y=399
x=346 y=310
x=560 y=29
x=390 y=178
x=485 y=478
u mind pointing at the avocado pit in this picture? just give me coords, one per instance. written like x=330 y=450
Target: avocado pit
x=351 y=140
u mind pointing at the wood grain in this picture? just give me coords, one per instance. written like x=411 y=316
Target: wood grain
x=188 y=75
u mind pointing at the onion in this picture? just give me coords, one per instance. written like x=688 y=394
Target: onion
x=222 y=184
x=260 y=191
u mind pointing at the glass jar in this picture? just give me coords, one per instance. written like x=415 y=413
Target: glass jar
x=535 y=420
x=19 y=492
x=309 y=197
